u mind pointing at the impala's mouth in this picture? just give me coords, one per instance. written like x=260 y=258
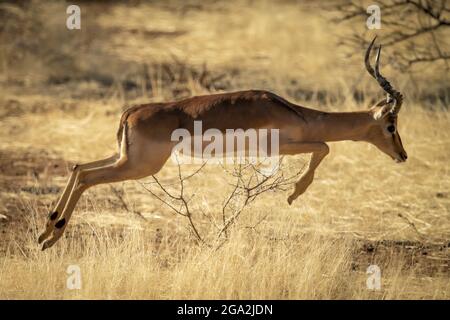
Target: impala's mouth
x=401 y=157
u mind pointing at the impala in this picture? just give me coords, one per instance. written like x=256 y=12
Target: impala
x=144 y=136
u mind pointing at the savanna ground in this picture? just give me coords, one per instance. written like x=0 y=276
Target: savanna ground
x=62 y=93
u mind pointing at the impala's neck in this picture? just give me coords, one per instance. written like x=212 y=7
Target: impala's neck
x=338 y=126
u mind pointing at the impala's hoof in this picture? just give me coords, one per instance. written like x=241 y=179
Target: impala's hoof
x=42 y=237
x=289 y=200
x=46 y=245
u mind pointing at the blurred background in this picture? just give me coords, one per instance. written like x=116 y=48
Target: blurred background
x=173 y=49
x=62 y=93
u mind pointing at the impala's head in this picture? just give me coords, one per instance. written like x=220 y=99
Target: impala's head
x=384 y=133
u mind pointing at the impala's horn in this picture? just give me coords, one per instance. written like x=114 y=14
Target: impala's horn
x=393 y=95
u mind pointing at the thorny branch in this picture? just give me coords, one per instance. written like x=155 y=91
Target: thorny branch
x=119 y=196
x=249 y=182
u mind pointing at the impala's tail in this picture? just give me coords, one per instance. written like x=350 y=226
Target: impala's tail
x=122 y=133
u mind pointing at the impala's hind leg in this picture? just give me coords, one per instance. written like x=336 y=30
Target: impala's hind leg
x=135 y=165
x=84 y=180
x=56 y=213
x=319 y=151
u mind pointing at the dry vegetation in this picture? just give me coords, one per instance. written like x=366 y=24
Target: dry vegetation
x=62 y=93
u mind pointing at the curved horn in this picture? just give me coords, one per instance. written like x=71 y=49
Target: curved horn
x=366 y=59
x=382 y=80
x=384 y=84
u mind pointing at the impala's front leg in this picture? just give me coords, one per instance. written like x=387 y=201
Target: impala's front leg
x=319 y=151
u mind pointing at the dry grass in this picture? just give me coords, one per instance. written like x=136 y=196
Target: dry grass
x=362 y=208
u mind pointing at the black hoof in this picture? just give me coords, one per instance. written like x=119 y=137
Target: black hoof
x=289 y=200
x=60 y=223
x=41 y=238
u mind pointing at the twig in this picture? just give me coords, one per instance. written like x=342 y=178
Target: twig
x=124 y=204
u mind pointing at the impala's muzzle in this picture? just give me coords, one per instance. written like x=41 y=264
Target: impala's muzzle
x=402 y=156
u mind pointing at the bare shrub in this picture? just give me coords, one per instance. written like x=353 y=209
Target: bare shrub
x=248 y=182
x=416 y=31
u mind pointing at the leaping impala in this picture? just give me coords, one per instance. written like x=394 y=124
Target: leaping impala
x=144 y=136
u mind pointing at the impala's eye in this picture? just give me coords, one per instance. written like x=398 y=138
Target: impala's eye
x=391 y=128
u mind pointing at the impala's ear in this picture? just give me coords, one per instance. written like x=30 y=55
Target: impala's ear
x=381 y=109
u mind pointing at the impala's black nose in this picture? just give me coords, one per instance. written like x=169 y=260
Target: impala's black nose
x=404 y=156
